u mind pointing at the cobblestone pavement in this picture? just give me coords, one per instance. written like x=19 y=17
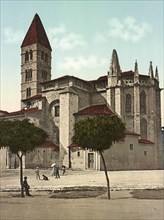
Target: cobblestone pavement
x=119 y=180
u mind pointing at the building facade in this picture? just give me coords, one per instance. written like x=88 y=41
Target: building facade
x=57 y=104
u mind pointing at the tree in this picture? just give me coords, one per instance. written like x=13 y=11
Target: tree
x=20 y=137
x=98 y=134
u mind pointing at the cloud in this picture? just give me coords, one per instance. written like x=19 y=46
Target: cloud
x=12 y=36
x=128 y=30
x=61 y=38
x=77 y=63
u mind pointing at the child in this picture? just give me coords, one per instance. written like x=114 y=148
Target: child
x=44 y=177
x=37 y=173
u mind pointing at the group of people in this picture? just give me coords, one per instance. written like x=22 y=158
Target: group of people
x=55 y=172
x=37 y=172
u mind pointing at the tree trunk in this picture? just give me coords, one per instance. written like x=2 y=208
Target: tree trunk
x=21 y=174
x=106 y=174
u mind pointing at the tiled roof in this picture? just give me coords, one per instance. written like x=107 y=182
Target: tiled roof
x=21 y=112
x=144 y=141
x=127 y=74
x=36 y=34
x=95 y=110
x=49 y=144
x=33 y=98
x=73 y=145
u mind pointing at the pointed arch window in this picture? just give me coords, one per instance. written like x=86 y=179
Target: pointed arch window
x=128 y=103
x=28 y=92
x=143 y=129
x=143 y=102
x=26 y=56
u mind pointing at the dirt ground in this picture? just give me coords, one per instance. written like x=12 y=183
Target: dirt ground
x=43 y=206
x=143 y=198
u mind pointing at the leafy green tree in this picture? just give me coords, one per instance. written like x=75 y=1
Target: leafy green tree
x=98 y=134
x=20 y=137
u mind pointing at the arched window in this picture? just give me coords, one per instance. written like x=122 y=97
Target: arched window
x=28 y=92
x=31 y=55
x=42 y=55
x=143 y=102
x=28 y=75
x=143 y=129
x=55 y=108
x=26 y=56
x=128 y=103
x=46 y=57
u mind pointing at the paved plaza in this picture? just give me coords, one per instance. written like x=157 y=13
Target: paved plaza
x=121 y=206
x=119 y=180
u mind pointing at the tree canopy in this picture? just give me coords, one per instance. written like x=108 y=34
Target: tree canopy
x=21 y=136
x=98 y=133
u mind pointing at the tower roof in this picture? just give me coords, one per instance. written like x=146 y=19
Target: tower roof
x=36 y=34
x=114 y=69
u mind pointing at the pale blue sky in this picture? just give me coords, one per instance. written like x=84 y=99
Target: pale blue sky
x=82 y=35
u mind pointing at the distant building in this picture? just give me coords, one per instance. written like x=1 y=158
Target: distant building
x=57 y=104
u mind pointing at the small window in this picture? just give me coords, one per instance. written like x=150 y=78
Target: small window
x=42 y=55
x=31 y=55
x=57 y=111
x=26 y=56
x=28 y=92
x=131 y=146
x=55 y=108
x=46 y=57
x=145 y=153
x=78 y=153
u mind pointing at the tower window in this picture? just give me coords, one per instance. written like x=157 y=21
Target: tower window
x=28 y=92
x=26 y=56
x=28 y=75
x=128 y=103
x=78 y=153
x=42 y=55
x=31 y=55
x=44 y=74
x=46 y=57
x=145 y=153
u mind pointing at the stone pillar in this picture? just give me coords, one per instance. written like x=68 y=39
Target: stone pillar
x=136 y=109
x=68 y=106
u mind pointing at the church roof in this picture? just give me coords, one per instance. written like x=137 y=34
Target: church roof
x=96 y=110
x=21 y=112
x=144 y=141
x=36 y=34
x=49 y=144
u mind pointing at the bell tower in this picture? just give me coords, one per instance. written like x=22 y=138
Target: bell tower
x=35 y=60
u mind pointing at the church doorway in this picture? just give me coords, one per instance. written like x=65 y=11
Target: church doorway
x=90 y=160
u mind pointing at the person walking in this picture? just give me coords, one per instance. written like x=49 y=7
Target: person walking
x=26 y=186
x=37 y=171
x=57 y=172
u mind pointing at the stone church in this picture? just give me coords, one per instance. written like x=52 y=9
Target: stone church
x=57 y=104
